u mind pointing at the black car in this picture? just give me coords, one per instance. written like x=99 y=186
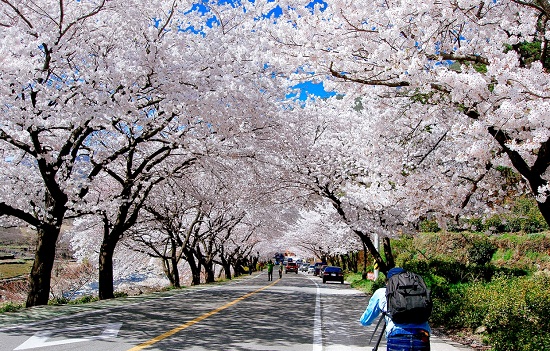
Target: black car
x=332 y=273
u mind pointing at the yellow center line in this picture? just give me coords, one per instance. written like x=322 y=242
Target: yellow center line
x=196 y=320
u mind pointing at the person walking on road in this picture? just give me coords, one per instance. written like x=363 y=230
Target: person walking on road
x=280 y=271
x=400 y=337
x=270 y=270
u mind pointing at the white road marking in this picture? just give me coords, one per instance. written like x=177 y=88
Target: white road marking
x=40 y=339
x=317 y=331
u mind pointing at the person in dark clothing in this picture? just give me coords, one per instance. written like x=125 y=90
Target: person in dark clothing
x=400 y=337
x=270 y=266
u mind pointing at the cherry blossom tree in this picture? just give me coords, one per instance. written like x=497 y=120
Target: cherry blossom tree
x=166 y=227
x=52 y=102
x=320 y=232
x=456 y=74
x=80 y=77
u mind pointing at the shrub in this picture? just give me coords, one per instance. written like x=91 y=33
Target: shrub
x=517 y=318
x=59 y=300
x=496 y=224
x=10 y=307
x=429 y=226
x=481 y=251
x=84 y=299
x=368 y=286
x=120 y=294
x=526 y=216
x=475 y=224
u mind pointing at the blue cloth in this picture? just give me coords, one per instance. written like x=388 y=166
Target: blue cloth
x=418 y=342
x=394 y=271
x=377 y=305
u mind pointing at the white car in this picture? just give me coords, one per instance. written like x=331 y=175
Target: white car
x=311 y=269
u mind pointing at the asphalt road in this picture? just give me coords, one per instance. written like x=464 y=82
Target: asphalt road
x=297 y=312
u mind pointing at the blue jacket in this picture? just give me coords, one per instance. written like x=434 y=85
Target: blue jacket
x=377 y=305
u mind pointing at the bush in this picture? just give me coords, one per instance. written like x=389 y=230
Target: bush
x=514 y=311
x=428 y=226
x=496 y=224
x=120 y=294
x=369 y=286
x=475 y=224
x=526 y=216
x=84 y=299
x=60 y=300
x=517 y=319
x=10 y=307
x=481 y=252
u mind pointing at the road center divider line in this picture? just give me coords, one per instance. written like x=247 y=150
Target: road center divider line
x=196 y=320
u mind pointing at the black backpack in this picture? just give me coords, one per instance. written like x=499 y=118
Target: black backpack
x=408 y=299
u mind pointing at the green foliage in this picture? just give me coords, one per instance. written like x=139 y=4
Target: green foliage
x=524 y=217
x=81 y=300
x=59 y=301
x=517 y=318
x=10 y=307
x=423 y=98
x=513 y=310
x=475 y=224
x=480 y=67
x=509 y=175
x=84 y=299
x=496 y=224
x=365 y=285
x=120 y=294
x=481 y=251
x=429 y=226
x=478 y=284
x=529 y=52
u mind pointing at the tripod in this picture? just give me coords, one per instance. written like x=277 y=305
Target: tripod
x=375 y=348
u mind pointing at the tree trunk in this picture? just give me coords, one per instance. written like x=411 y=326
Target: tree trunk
x=195 y=269
x=40 y=276
x=533 y=173
x=390 y=262
x=167 y=270
x=365 y=258
x=209 y=270
x=106 y=289
x=367 y=242
x=226 y=268
x=175 y=273
x=171 y=265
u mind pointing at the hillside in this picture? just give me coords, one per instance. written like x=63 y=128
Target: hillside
x=508 y=250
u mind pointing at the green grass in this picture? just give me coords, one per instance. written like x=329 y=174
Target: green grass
x=10 y=307
x=505 y=255
x=11 y=270
x=364 y=285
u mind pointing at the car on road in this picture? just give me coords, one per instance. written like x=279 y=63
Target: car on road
x=291 y=267
x=311 y=269
x=318 y=266
x=333 y=273
x=304 y=267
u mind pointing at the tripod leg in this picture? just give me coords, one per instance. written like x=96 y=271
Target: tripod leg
x=376 y=328
x=380 y=337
